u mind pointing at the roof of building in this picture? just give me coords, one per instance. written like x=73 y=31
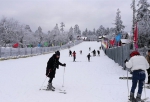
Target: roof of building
x=125 y=41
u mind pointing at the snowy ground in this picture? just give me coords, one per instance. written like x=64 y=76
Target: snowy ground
x=95 y=81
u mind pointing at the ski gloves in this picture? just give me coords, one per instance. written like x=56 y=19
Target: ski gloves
x=125 y=61
x=64 y=64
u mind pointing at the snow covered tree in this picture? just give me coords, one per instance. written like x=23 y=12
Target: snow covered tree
x=27 y=28
x=101 y=31
x=55 y=33
x=10 y=31
x=77 y=30
x=62 y=27
x=71 y=34
x=39 y=35
x=85 y=33
x=94 y=31
x=143 y=19
x=119 y=27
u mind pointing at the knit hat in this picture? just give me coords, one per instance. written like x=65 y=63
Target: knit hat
x=134 y=53
x=57 y=53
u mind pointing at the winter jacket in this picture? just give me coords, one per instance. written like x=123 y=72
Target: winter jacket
x=88 y=56
x=148 y=59
x=137 y=63
x=52 y=64
x=74 y=54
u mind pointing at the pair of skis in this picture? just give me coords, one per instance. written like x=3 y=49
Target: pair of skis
x=59 y=90
x=130 y=78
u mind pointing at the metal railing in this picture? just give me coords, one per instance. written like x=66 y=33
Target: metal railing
x=8 y=52
x=119 y=54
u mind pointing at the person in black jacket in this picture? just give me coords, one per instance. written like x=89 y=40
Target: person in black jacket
x=98 y=52
x=94 y=53
x=70 y=53
x=52 y=64
x=88 y=56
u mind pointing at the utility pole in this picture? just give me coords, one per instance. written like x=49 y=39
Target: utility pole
x=133 y=7
x=133 y=25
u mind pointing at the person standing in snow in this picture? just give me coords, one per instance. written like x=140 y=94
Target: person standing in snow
x=98 y=52
x=148 y=70
x=138 y=65
x=52 y=64
x=94 y=53
x=80 y=51
x=89 y=48
x=89 y=56
x=70 y=53
x=100 y=48
x=74 y=56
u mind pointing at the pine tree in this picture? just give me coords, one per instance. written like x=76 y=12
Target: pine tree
x=119 y=27
x=62 y=27
x=143 y=19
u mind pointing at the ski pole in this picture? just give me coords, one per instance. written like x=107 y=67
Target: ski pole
x=127 y=84
x=144 y=90
x=43 y=82
x=63 y=77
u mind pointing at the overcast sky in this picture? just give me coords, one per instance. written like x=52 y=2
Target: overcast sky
x=86 y=13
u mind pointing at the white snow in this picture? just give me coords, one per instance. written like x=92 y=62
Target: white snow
x=95 y=81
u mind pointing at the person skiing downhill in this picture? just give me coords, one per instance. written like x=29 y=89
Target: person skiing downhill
x=52 y=64
x=89 y=56
x=138 y=65
x=74 y=56
x=98 y=52
x=148 y=70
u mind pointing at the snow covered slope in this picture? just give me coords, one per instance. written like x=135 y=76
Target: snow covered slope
x=95 y=81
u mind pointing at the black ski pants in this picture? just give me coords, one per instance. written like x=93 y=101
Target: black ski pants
x=50 y=80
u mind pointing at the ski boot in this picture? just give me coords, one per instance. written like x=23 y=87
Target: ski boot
x=138 y=98
x=132 y=99
x=49 y=87
x=53 y=87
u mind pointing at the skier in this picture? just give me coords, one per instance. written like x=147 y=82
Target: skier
x=89 y=48
x=98 y=52
x=100 y=48
x=88 y=56
x=74 y=56
x=70 y=53
x=94 y=53
x=80 y=51
x=105 y=51
x=148 y=70
x=138 y=65
x=52 y=64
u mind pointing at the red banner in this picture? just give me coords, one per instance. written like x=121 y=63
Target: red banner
x=135 y=34
x=112 y=42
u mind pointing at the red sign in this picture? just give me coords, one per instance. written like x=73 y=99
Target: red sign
x=15 y=45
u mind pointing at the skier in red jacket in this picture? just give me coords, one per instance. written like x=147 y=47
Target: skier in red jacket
x=74 y=56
